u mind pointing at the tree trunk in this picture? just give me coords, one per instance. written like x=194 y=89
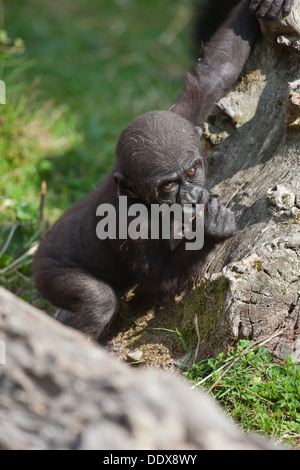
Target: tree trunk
x=251 y=283
x=255 y=170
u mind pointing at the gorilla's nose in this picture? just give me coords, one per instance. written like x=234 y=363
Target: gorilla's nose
x=196 y=196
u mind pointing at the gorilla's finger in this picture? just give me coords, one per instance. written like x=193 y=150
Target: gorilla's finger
x=274 y=10
x=287 y=7
x=254 y=5
x=264 y=7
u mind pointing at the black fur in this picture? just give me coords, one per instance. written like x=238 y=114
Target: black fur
x=209 y=16
x=86 y=276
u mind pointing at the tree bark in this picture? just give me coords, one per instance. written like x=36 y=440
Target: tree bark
x=251 y=283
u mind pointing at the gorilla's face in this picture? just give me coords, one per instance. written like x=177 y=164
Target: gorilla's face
x=159 y=160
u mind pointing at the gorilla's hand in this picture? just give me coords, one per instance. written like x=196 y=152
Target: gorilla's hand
x=219 y=222
x=270 y=9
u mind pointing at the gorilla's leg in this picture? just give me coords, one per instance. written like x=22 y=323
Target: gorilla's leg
x=90 y=302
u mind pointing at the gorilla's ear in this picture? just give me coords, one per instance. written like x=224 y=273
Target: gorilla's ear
x=125 y=186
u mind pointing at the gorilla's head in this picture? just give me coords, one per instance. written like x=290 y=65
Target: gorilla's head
x=159 y=160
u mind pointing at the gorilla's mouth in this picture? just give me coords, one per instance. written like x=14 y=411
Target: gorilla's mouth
x=192 y=211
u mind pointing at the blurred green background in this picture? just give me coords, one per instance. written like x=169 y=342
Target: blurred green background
x=76 y=73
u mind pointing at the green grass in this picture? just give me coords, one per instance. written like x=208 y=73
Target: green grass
x=260 y=395
x=99 y=65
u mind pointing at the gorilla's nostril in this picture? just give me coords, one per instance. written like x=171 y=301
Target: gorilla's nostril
x=195 y=192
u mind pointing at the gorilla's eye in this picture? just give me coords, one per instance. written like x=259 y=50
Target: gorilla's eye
x=192 y=171
x=169 y=186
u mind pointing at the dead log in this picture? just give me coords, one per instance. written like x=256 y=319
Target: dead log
x=260 y=182
x=60 y=391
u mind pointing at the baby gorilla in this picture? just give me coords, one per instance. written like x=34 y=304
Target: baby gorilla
x=159 y=160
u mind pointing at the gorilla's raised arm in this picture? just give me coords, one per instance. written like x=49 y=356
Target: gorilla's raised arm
x=224 y=58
